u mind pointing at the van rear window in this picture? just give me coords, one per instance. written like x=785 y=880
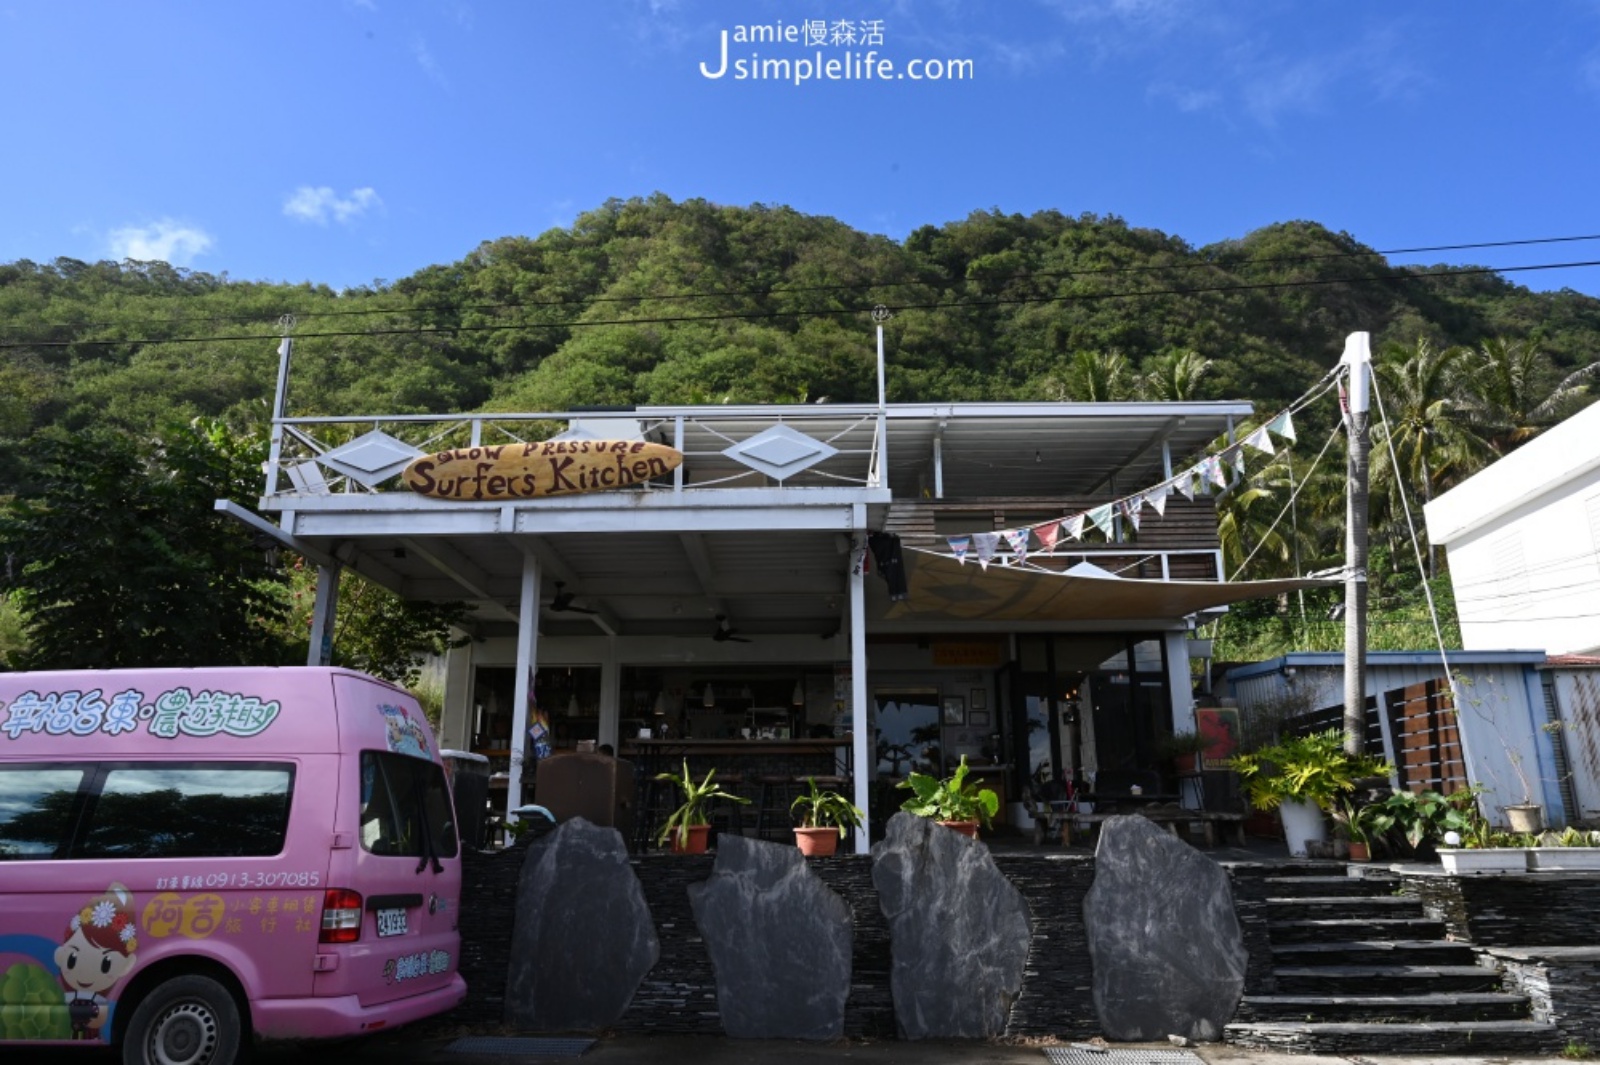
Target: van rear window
x=405 y=807
x=145 y=810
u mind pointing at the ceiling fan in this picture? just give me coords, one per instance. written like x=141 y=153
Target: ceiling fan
x=562 y=602
x=726 y=633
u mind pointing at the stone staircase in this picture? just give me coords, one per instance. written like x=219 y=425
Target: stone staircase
x=1357 y=968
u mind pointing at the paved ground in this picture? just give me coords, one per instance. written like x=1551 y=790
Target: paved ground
x=714 y=1050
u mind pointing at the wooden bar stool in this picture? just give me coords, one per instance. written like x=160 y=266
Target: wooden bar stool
x=776 y=792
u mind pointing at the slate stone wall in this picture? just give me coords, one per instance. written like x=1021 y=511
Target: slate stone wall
x=1563 y=985
x=1511 y=910
x=679 y=994
x=488 y=900
x=1057 y=986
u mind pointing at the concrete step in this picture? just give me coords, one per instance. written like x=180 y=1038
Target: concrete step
x=1373 y=952
x=1350 y=980
x=1335 y=907
x=1368 y=1009
x=1342 y=886
x=1477 y=1038
x=1321 y=929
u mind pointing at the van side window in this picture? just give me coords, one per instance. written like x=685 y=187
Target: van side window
x=172 y=810
x=405 y=807
x=38 y=806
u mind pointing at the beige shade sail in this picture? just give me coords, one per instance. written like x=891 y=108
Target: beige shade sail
x=943 y=589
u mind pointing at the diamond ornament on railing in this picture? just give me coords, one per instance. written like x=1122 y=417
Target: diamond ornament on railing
x=780 y=452
x=371 y=459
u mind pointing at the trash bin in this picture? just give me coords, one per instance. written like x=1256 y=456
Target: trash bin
x=469 y=783
x=595 y=787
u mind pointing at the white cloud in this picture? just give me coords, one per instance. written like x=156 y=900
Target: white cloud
x=430 y=66
x=1188 y=100
x=166 y=241
x=309 y=204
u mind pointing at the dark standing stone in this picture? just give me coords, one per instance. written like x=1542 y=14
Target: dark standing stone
x=582 y=938
x=1169 y=958
x=779 y=940
x=959 y=932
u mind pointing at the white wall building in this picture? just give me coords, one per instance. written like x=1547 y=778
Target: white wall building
x=1523 y=540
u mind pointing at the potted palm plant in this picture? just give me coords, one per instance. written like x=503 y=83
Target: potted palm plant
x=1301 y=777
x=951 y=801
x=824 y=815
x=688 y=827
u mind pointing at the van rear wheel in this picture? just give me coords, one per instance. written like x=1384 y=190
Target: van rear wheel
x=190 y=1020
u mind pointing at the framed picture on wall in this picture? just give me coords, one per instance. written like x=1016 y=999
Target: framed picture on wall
x=979 y=700
x=978 y=719
x=955 y=710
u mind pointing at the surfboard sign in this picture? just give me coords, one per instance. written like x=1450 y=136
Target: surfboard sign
x=537 y=470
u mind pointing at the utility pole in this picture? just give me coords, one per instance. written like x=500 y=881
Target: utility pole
x=1358 y=365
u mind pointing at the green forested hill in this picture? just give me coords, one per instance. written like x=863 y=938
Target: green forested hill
x=652 y=301
x=656 y=302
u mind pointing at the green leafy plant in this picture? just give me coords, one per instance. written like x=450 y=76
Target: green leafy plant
x=820 y=809
x=1424 y=817
x=1312 y=769
x=1567 y=837
x=1358 y=821
x=697 y=799
x=1577 y=1050
x=950 y=799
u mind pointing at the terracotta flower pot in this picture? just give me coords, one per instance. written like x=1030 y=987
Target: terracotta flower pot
x=817 y=842
x=694 y=843
x=1360 y=852
x=966 y=828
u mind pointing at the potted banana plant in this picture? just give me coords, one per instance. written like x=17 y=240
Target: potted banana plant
x=952 y=801
x=824 y=816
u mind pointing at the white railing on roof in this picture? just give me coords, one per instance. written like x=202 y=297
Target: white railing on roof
x=798 y=447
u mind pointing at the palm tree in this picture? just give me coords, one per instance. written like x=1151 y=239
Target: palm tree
x=1094 y=377
x=1424 y=414
x=1509 y=385
x=1174 y=377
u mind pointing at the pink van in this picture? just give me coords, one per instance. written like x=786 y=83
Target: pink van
x=192 y=858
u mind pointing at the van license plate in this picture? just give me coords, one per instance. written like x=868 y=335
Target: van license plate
x=391 y=922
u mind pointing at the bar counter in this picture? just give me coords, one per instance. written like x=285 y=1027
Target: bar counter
x=747 y=758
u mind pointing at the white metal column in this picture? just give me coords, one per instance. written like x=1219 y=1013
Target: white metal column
x=859 y=721
x=527 y=662
x=610 y=695
x=323 y=613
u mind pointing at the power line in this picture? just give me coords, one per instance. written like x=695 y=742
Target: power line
x=1108 y=271
x=421 y=331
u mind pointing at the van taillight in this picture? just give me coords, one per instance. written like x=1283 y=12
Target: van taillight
x=341 y=916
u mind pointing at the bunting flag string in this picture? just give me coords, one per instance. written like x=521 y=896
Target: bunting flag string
x=1212 y=469
x=1018 y=539
x=1157 y=497
x=985 y=546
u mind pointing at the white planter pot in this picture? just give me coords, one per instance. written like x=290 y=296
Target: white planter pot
x=1584 y=859
x=1484 y=859
x=1302 y=823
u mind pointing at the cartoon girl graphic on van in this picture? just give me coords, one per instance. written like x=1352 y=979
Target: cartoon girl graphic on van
x=98 y=952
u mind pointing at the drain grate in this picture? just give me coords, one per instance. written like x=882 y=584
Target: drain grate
x=1071 y=1055
x=530 y=1046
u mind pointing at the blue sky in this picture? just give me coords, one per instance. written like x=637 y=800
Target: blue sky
x=346 y=141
